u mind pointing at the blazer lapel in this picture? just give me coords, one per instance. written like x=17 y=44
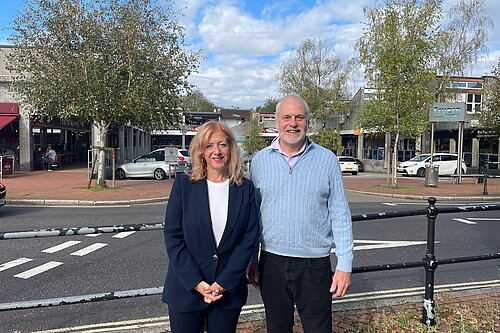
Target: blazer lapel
x=234 y=206
x=201 y=195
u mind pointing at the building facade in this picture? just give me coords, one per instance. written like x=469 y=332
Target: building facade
x=22 y=132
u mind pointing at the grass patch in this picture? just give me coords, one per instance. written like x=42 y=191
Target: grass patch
x=461 y=317
x=103 y=188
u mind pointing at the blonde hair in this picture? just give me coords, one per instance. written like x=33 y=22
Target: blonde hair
x=197 y=148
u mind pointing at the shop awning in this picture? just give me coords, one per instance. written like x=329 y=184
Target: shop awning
x=6 y=119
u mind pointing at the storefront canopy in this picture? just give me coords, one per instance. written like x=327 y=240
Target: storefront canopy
x=5 y=120
x=8 y=112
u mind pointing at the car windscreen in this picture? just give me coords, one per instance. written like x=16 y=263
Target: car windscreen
x=419 y=158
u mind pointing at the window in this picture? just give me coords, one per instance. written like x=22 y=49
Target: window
x=475 y=85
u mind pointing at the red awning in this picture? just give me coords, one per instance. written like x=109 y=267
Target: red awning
x=5 y=120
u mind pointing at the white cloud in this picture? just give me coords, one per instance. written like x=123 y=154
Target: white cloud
x=226 y=29
x=245 y=44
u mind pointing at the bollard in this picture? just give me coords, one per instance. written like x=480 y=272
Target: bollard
x=485 y=181
x=428 y=314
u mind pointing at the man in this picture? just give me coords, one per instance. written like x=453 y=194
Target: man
x=303 y=213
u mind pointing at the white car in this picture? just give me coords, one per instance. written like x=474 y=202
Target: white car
x=348 y=164
x=416 y=166
x=183 y=158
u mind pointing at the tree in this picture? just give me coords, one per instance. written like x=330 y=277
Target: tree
x=195 y=101
x=462 y=39
x=269 y=105
x=253 y=141
x=104 y=63
x=319 y=76
x=490 y=115
x=401 y=51
x=330 y=139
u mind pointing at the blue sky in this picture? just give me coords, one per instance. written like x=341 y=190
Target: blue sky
x=245 y=41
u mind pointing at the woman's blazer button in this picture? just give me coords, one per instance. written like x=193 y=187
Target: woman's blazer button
x=215 y=257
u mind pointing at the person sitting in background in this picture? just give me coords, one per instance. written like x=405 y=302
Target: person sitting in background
x=50 y=157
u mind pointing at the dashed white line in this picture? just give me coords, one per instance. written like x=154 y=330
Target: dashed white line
x=93 y=235
x=37 y=270
x=14 y=263
x=465 y=221
x=389 y=204
x=88 y=249
x=124 y=234
x=61 y=247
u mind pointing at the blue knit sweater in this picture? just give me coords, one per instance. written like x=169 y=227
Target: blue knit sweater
x=303 y=208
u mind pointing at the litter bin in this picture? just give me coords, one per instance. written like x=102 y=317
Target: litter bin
x=431 y=175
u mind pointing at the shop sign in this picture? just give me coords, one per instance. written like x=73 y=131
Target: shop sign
x=447 y=112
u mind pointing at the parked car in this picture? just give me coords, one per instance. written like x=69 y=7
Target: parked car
x=157 y=164
x=183 y=157
x=416 y=166
x=361 y=166
x=145 y=166
x=3 y=193
x=348 y=164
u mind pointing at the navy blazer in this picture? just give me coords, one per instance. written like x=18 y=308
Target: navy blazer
x=192 y=252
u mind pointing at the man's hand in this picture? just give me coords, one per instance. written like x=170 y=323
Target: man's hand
x=340 y=283
x=253 y=274
x=209 y=293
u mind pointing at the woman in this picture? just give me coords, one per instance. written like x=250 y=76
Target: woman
x=211 y=230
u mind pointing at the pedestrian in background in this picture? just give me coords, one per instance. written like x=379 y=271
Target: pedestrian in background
x=211 y=230
x=303 y=212
x=50 y=157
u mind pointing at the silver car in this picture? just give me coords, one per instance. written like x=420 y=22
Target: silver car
x=152 y=165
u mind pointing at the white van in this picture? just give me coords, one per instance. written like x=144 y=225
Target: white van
x=416 y=166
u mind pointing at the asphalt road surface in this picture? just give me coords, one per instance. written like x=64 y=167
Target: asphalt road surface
x=53 y=267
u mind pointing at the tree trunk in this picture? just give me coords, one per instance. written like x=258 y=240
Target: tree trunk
x=395 y=162
x=99 y=144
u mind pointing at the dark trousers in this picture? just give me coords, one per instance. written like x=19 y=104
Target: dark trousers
x=216 y=320
x=303 y=281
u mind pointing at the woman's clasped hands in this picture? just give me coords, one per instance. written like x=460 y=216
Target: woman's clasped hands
x=210 y=293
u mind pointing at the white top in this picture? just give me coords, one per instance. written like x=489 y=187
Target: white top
x=218 y=199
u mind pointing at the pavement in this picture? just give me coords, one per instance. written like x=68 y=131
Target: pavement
x=70 y=186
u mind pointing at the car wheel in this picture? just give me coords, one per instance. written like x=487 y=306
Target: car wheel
x=421 y=172
x=120 y=174
x=354 y=173
x=159 y=174
x=456 y=172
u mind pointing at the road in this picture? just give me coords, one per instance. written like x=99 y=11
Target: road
x=82 y=265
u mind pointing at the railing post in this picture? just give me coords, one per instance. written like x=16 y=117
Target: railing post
x=428 y=314
x=485 y=185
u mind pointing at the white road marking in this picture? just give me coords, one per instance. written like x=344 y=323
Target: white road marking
x=466 y=221
x=483 y=219
x=124 y=234
x=93 y=235
x=37 y=270
x=389 y=204
x=380 y=244
x=89 y=249
x=163 y=321
x=14 y=263
x=61 y=247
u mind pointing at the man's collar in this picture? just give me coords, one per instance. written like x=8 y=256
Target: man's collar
x=275 y=145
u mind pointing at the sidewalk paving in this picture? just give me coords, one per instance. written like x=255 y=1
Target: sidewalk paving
x=69 y=186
